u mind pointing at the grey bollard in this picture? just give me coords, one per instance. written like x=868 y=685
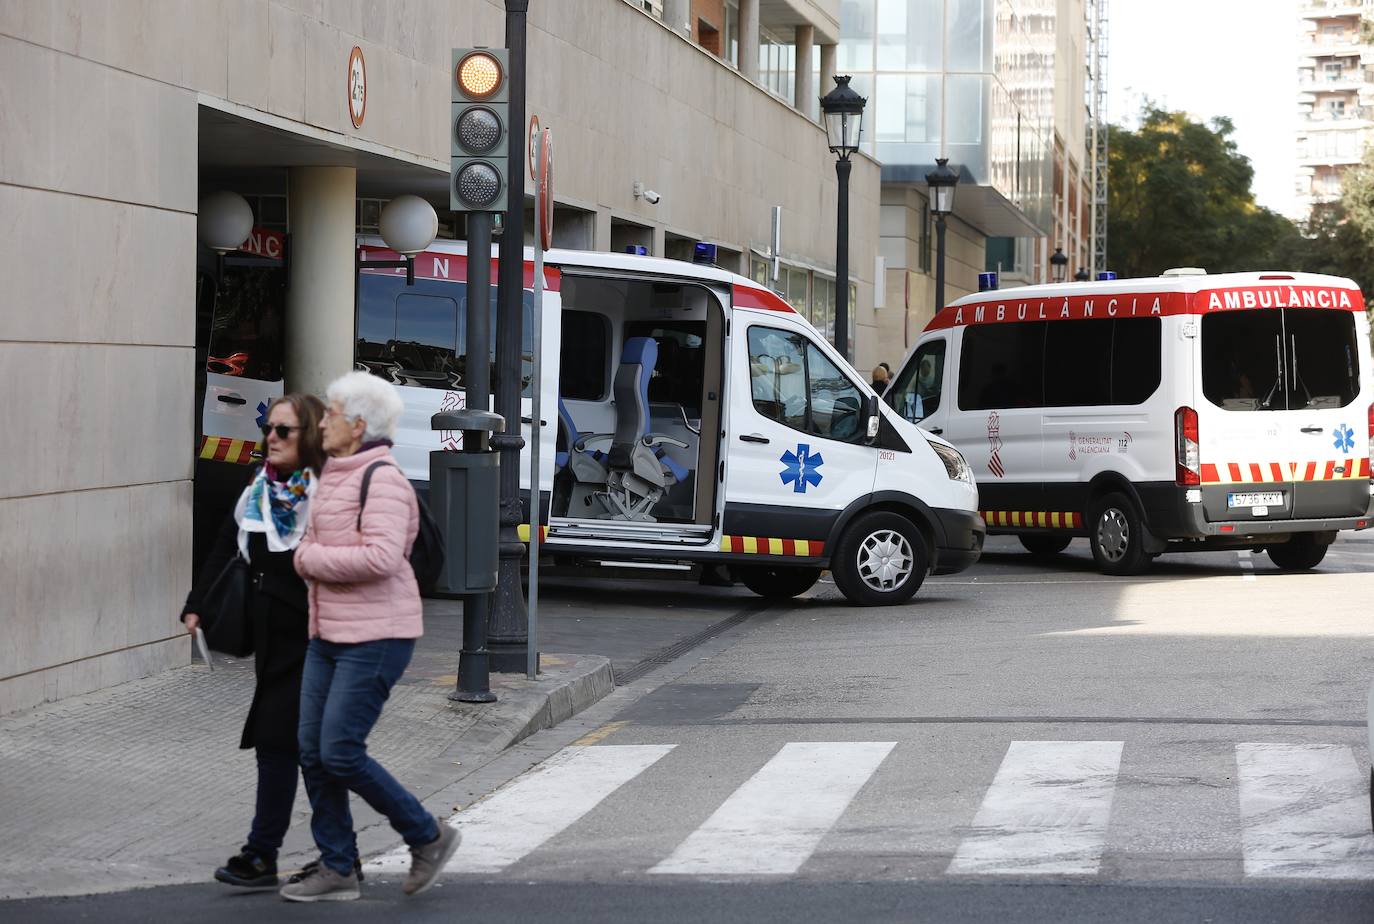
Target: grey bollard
x=464 y=490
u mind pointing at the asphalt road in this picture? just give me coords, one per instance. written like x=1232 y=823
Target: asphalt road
x=1022 y=741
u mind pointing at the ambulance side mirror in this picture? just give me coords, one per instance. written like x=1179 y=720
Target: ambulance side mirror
x=872 y=417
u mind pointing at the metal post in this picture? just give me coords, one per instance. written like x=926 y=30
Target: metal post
x=842 y=168
x=509 y=619
x=536 y=427
x=474 y=678
x=939 y=262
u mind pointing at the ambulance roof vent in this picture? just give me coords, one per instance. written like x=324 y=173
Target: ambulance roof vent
x=1185 y=271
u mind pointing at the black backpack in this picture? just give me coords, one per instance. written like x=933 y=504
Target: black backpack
x=427 y=554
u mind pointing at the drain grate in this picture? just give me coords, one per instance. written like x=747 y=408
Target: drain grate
x=682 y=646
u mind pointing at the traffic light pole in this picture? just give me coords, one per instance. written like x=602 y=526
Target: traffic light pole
x=509 y=625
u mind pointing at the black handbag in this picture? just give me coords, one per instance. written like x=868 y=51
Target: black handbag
x=224 y=617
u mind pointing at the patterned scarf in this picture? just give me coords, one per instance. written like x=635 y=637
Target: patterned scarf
x=275 y=508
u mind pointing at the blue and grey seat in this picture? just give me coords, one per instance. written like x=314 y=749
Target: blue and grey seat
x=638 y=469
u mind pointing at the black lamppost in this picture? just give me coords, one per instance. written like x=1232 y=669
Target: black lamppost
x=1059 y=264
x=941 y=181
x=508 y=624
x=844 y=116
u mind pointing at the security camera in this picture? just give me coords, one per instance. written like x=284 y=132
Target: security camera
x=651 y=197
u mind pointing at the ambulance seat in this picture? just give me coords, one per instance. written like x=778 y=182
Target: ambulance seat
x=638 y=474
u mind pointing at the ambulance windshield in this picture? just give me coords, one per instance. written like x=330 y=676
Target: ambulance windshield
x=1290 y=359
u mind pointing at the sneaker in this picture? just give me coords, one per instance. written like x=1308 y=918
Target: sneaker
x=322 y=885
x=427 y=862
x=313 y=865
x=247 y=870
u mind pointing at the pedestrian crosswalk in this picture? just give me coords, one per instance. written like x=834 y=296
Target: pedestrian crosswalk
x=1051 y=809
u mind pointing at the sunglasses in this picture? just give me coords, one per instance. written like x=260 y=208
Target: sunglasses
x=283 y=431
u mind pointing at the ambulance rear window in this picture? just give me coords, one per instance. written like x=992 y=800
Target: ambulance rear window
x=1290 y=359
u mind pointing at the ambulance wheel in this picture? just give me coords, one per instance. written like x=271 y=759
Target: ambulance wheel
x=1301 y=553
x=881 y=560
x=778 y=582
x=1117 y=533
x=1044 y=546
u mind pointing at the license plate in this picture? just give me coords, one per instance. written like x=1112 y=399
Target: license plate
x=1255 y=499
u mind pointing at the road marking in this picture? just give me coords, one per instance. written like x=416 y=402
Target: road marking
x=601 y=734
x=1046 y=812
x=533 y=808
x=772 y=823
x=1304 y=812
x=1247 y=565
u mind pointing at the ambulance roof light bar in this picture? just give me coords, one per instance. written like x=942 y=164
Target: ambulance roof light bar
x=1185 y=271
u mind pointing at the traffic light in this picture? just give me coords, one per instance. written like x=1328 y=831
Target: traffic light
x=479 y=130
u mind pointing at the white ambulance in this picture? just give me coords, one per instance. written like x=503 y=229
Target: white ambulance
x=690 y=416
x=1149 y=415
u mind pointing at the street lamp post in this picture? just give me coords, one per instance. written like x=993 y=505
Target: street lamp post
x=1081 y=275
x=844 y=115
x=1059 y=264
x=941 y=181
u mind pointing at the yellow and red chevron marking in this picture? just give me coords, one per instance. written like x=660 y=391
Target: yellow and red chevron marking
x=524 y=531
x=221 y=449
x=1262 y=472
x=758 y=545
x=1035 y=519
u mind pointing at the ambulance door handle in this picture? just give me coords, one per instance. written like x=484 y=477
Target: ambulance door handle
x=1313 y=430
x=231 y=399
x=937 y=430
x=752 y=438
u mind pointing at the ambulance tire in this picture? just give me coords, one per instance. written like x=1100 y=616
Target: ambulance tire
x=778 y=582
x=881 y=560
x=1116 y=533
x=1301 y=553
x=1042 y=547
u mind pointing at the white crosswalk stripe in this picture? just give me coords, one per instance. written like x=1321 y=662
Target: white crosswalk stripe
x=772 y=823
x=1046 y=812
x=1305 y=812
x=525 y=813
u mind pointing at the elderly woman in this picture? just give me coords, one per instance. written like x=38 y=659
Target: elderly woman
x=365 y=615
x=266 y=528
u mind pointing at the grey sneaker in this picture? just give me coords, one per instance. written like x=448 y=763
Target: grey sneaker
x=427 y=862
x=322 y=884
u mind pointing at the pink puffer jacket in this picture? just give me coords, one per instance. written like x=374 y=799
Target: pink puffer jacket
x=361 y=585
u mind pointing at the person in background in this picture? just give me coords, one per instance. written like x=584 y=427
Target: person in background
x=365 y=616
x=266 y=526
x=880 y=377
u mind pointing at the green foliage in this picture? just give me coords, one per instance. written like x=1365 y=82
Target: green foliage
x=1179 y=195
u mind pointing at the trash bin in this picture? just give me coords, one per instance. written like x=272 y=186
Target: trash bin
x=464 y=491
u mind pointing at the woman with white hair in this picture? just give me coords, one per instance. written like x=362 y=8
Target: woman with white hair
x=365 y=615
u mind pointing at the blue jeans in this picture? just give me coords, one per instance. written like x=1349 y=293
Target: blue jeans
x=342 y=693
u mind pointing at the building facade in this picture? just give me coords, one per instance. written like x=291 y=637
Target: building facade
x=1335 y=96
x=119 y=119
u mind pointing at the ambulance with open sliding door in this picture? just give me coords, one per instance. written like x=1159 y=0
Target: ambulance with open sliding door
x=1182 y=412
x=690 y=416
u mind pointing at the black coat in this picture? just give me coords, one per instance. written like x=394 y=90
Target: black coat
x=279 y=608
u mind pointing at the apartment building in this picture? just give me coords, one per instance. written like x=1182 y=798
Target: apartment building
x=1335 y=96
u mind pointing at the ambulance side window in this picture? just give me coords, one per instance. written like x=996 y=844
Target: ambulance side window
x=795 y=384
x=1002 y=366
x=1078 y=363
x=246 y=329
x=586 y=344
x=916 y=393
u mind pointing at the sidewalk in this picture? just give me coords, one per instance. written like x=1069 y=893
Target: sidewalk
x=143 y=784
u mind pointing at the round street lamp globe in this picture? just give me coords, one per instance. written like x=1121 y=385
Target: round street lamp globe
x=223 y=221
x=1059 y=262
x=408 y=224
x=942 y=181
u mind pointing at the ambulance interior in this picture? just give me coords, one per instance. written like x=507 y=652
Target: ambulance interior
x=639 y=404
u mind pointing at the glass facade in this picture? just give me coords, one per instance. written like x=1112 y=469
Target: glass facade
x=971 y=80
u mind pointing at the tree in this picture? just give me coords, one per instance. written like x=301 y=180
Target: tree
x=1179 y=195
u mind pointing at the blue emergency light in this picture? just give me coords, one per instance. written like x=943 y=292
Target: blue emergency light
x=704 y=253
x=1106 y=276
x=987 y=282
x=638 y=250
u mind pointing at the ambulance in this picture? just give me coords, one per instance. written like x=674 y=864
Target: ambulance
x=1185 y=412
x=688 y=417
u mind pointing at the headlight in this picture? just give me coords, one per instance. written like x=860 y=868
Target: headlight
x=955 y=466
